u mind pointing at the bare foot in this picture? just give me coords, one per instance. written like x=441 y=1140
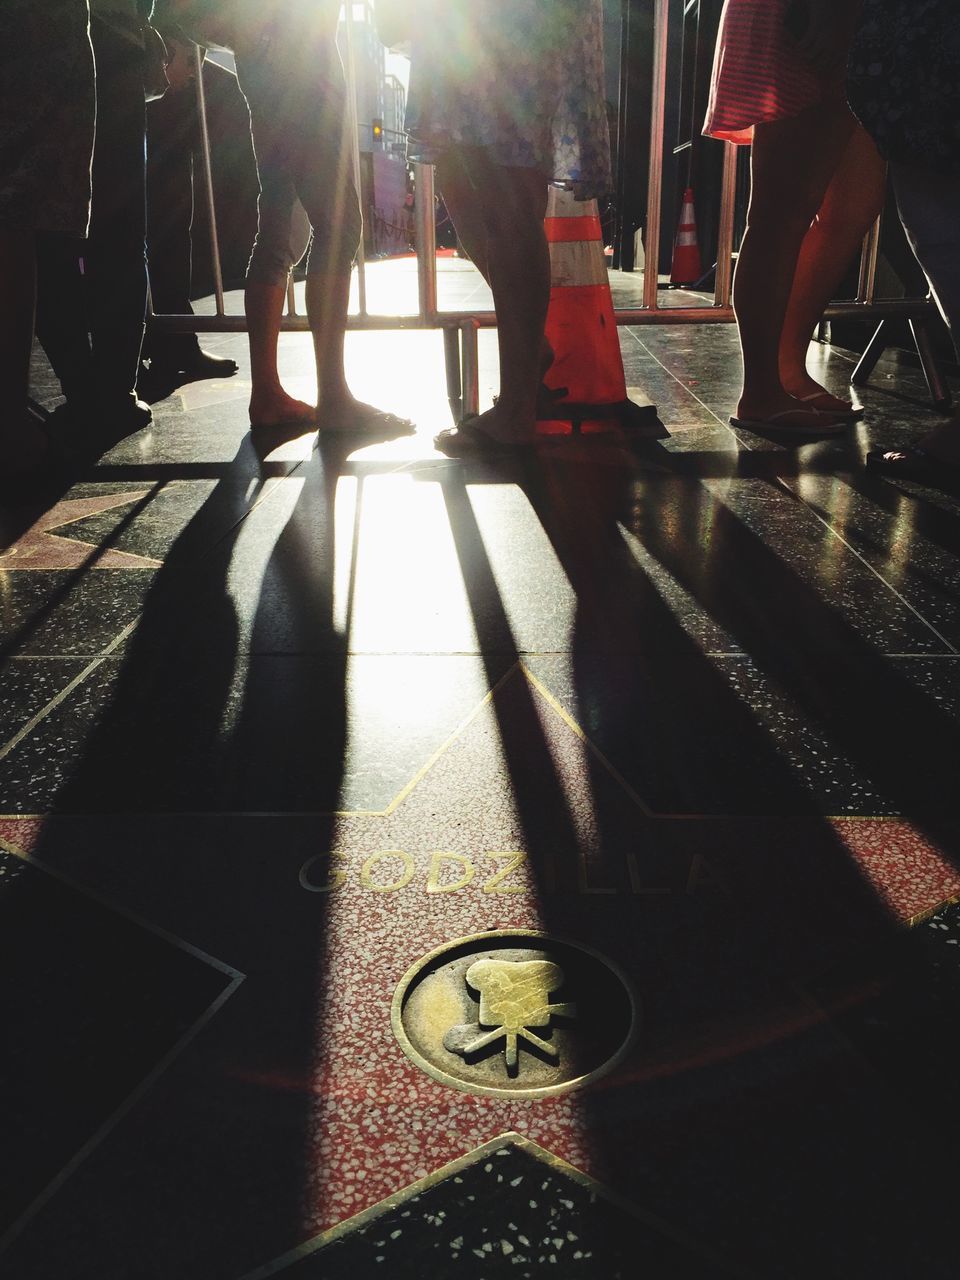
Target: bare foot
x=349 y=416
x=271 y=411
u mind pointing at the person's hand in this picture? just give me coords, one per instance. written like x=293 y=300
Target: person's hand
x=822 y=30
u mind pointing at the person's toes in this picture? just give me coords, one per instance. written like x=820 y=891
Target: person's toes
x=356 y=416
x=281 y=413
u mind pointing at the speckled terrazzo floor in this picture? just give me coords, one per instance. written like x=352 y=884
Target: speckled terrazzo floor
x=273 y=728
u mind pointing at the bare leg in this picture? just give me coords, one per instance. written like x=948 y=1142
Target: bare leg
x=514 y=208
x=852 y=204
x=22 y=445
x=270 y=405
x=331 y=202
x=327 y=301
x=511 y=203
x=464 y=206
x=337 y=408
x=792 y=164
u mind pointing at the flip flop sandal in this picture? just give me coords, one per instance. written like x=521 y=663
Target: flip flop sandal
x=854 y=412
x=467 y=441
x=815 y=422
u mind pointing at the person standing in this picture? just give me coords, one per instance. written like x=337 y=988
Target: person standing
x=173 y=138
x=817 y=186
x=506 y=97
x=291 y=75
x=46 y=139
x=92 y=296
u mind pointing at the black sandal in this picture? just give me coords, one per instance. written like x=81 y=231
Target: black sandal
x=466 y=440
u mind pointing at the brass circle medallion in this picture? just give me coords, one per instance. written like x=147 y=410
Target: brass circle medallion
x=515 y=1013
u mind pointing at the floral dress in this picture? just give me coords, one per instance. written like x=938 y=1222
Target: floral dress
x=522 y=78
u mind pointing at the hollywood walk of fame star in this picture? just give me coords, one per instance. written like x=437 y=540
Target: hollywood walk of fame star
x=331 y=951
x=40 y=548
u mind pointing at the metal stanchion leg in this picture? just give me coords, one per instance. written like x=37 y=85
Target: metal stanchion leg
x=655 y=174
x=470 y=363
x=207 y=171
x=871 y=354
x=451 y=355
x=939 y=391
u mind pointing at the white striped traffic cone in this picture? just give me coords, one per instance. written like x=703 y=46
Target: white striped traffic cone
x=686 y=267
x=585 y=386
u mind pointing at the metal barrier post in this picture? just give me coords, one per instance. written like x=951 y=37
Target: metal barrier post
x=661 y=21
x=426 y=234
x=723 y=281
x=867 y=285
x=470 y=363
x=451 y=361
x=208 y=182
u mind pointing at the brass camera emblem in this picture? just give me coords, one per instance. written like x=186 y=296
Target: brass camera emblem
x=514 y=996
x=514 y=1012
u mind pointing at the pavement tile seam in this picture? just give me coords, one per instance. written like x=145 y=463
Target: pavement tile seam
x=72 y=685
x=894 y=591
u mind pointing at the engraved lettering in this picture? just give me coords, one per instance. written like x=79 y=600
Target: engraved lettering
x=335 y=877
x=495 y=883
x=636 y=883
x=406 y=875
x=437 y=860
x=583 y=884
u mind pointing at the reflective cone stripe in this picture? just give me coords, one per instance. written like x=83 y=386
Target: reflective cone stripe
x=686 y=266
x=574 y=263
x=574 y=226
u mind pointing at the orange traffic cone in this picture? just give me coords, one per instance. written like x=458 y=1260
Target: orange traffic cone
x=584 y=388
x=686 y=266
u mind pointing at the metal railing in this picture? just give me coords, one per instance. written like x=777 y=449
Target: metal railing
x=466 y=324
